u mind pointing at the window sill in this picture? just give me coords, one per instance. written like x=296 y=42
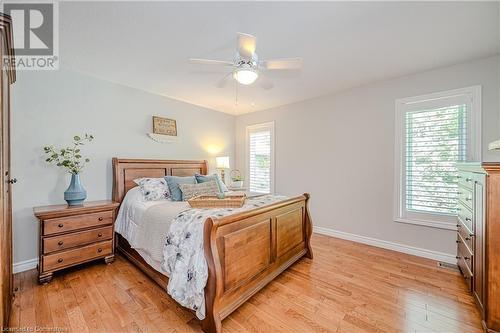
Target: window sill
x=427 y=223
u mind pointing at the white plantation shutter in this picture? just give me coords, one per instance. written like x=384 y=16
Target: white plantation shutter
x=433 y=133
x=260 y=157
x=435 y=140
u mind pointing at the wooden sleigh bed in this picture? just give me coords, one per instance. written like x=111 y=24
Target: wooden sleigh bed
x=244 y=251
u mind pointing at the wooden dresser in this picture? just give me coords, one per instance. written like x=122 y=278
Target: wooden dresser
x=74 y=235
x=478 y=237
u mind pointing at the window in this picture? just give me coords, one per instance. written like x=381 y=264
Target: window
x=433 y=133
x=260 y=157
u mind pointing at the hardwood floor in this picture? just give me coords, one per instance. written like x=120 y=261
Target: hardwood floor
x=348 y=287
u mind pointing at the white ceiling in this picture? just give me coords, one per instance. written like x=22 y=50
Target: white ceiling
x=343 y=44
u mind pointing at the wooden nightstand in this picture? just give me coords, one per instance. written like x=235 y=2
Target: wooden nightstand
x=74 y=235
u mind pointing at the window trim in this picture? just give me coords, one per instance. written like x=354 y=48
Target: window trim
x=250 y=128
x=473 y=149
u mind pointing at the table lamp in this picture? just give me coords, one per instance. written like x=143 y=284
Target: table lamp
x=222 y=163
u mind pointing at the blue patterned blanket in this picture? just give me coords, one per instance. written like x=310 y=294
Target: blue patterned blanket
x=183 y=253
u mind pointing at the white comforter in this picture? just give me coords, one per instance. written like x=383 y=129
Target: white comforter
x=145 y=224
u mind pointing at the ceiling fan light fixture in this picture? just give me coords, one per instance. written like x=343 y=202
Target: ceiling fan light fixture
x=245 y=76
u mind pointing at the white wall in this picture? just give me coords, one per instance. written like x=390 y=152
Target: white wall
x=50 y=107
x=340 y=148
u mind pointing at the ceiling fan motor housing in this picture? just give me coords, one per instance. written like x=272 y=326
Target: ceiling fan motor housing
x=241 y=62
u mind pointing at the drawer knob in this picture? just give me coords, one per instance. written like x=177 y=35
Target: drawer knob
x=458 y=225
x=459 y=177
x=466 y=258
x=458 y=257
x=468 y=179
x=471 y=235
x=100 y=218
x=457 y=241
x=467 y=238
x=60 y=225
x=99 y=250
x=468 y=219
x=60 y=260
x=99 y=235
x=468 y=199
x=60 y=243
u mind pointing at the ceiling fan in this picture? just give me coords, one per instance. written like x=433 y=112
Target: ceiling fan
x=246 y=66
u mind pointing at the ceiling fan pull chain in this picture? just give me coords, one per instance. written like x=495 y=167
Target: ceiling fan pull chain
x=236 y=96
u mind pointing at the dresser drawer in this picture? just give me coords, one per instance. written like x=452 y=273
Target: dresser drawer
x=465 y=196
x=63 y=224
x=465 y=179
x=69 y=257
x=465 y=272
x=466 y=236
x=62 y=242
x=465 y=216
x=464 y=255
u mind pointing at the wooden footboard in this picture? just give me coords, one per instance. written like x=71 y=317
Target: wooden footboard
x=248 y=250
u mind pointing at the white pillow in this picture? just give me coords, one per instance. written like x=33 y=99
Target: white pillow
x=153 y=189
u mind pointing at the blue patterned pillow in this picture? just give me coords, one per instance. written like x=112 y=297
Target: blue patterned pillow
x=153 y=189
x=215 y=176
x=173 y=185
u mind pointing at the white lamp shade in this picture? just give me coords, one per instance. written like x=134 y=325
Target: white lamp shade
x=222 y=162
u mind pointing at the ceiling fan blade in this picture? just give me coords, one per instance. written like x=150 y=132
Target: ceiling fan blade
x=246 y=45
x=287 y=63
x=211 y=62
x=223 y=82
x=264 y=82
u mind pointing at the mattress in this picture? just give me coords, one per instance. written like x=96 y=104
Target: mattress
x=145 y=224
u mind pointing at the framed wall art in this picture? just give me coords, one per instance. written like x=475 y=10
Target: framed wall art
x=164 y=126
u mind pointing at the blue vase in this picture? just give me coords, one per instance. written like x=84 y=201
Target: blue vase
x=75 y=194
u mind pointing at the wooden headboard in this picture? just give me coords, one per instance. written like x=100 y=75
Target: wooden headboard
x=125 y=170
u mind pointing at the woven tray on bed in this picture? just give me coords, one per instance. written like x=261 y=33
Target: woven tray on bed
x=208 y=201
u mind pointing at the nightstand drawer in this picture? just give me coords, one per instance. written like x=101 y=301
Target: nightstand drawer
x=67 y=258
x=62 y=242
x=63 y=224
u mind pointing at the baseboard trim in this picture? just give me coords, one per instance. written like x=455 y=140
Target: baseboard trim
x=416 y=251
x=25 y=265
